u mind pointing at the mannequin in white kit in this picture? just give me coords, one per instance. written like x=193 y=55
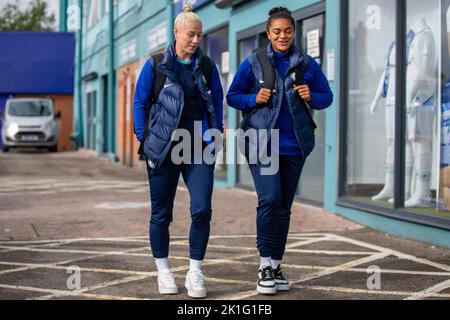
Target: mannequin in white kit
x=386 y=91
x=421 y=109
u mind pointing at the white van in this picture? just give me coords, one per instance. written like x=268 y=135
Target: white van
x=29 y=122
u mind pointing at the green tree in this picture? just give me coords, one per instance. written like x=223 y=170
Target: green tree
x=33 y=18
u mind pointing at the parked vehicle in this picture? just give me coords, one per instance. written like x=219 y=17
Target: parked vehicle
x=29 y=122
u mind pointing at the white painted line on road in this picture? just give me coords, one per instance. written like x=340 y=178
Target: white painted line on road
x=119 y=239
x=430 y=291
x=409 y=272
x=332 y=253
x=62 y=293
x=305 y=242
x=66 y=261
x=118 y=253
x=122 y=205
x=342 y=267
x=140 y=238
x=36 y=245
x=83 y=269
x=325 y=252
x=396 y=253
x=362 y=291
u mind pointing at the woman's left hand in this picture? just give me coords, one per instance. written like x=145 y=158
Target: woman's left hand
x=304 y=92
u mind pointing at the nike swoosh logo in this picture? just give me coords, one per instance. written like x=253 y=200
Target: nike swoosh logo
x=167 y=85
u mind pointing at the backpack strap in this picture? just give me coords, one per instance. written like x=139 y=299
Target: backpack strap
x=300 y=80
x=159 y=80
x=206 y=66
x=268 y=71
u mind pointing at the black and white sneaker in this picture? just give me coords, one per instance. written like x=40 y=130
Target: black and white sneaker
x=266 y=282
x=281 y=282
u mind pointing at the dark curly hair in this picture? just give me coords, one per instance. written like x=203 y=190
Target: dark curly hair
x=280 y=13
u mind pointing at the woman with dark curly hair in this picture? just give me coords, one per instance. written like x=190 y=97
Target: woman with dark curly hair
x=298 y=84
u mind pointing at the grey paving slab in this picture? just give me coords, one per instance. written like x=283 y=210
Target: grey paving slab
x=126 y=263
x=213 y=253
x=311 y=294
x=103 y=245
x=26 y=256
x=16 y=294
x=335 y=246
x=54 y=279
x=310 y=259
x=389 y=282
x=7 y=267
x=148 y=289
x=394 y=263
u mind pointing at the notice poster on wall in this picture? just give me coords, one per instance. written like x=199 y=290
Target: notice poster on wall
x=225 y=65
x=331 y=65
x=313 y=43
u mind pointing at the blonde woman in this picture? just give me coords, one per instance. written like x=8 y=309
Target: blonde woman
x=188 y=96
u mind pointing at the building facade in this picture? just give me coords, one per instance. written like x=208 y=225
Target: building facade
x=40 y=65
x=383 y=149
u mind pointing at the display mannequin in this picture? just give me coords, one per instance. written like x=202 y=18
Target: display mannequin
x=421 y=86
x=386 y=90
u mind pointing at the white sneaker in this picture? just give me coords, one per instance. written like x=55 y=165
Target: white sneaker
x=195 y=284
x=166 y=283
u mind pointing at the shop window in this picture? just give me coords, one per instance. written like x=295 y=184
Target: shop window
x=370 y=117
x=426 y=86
x=371 y=101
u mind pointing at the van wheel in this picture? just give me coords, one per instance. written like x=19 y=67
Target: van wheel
x=5 y=149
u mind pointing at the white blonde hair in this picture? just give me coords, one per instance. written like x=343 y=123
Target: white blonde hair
x=186 y=16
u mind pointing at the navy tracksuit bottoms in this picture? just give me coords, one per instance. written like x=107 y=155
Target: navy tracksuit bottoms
x=276 y=194
x=199 y=179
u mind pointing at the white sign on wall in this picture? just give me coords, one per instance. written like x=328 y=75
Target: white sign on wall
x=313 y=43
x=225 y=67
x=331 y=65
x=157 y=36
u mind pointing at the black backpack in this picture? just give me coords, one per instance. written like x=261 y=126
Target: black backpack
x=160 y=80
x=269 y=77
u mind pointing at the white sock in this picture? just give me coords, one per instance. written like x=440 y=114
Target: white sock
x=275 y=263
x=195 y=265
x=162 y=265
x=264 y=262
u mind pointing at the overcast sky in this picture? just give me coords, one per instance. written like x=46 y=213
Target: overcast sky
x=52 y=4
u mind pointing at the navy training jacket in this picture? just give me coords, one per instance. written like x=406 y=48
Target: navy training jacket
x=166 y=112
x=249 y=81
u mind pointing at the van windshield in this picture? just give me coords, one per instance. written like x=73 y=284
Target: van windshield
x=39 y=108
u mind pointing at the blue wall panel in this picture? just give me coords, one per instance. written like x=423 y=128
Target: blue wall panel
x=36 y=62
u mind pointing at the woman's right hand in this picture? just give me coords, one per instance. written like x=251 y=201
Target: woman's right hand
x=263 y=96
